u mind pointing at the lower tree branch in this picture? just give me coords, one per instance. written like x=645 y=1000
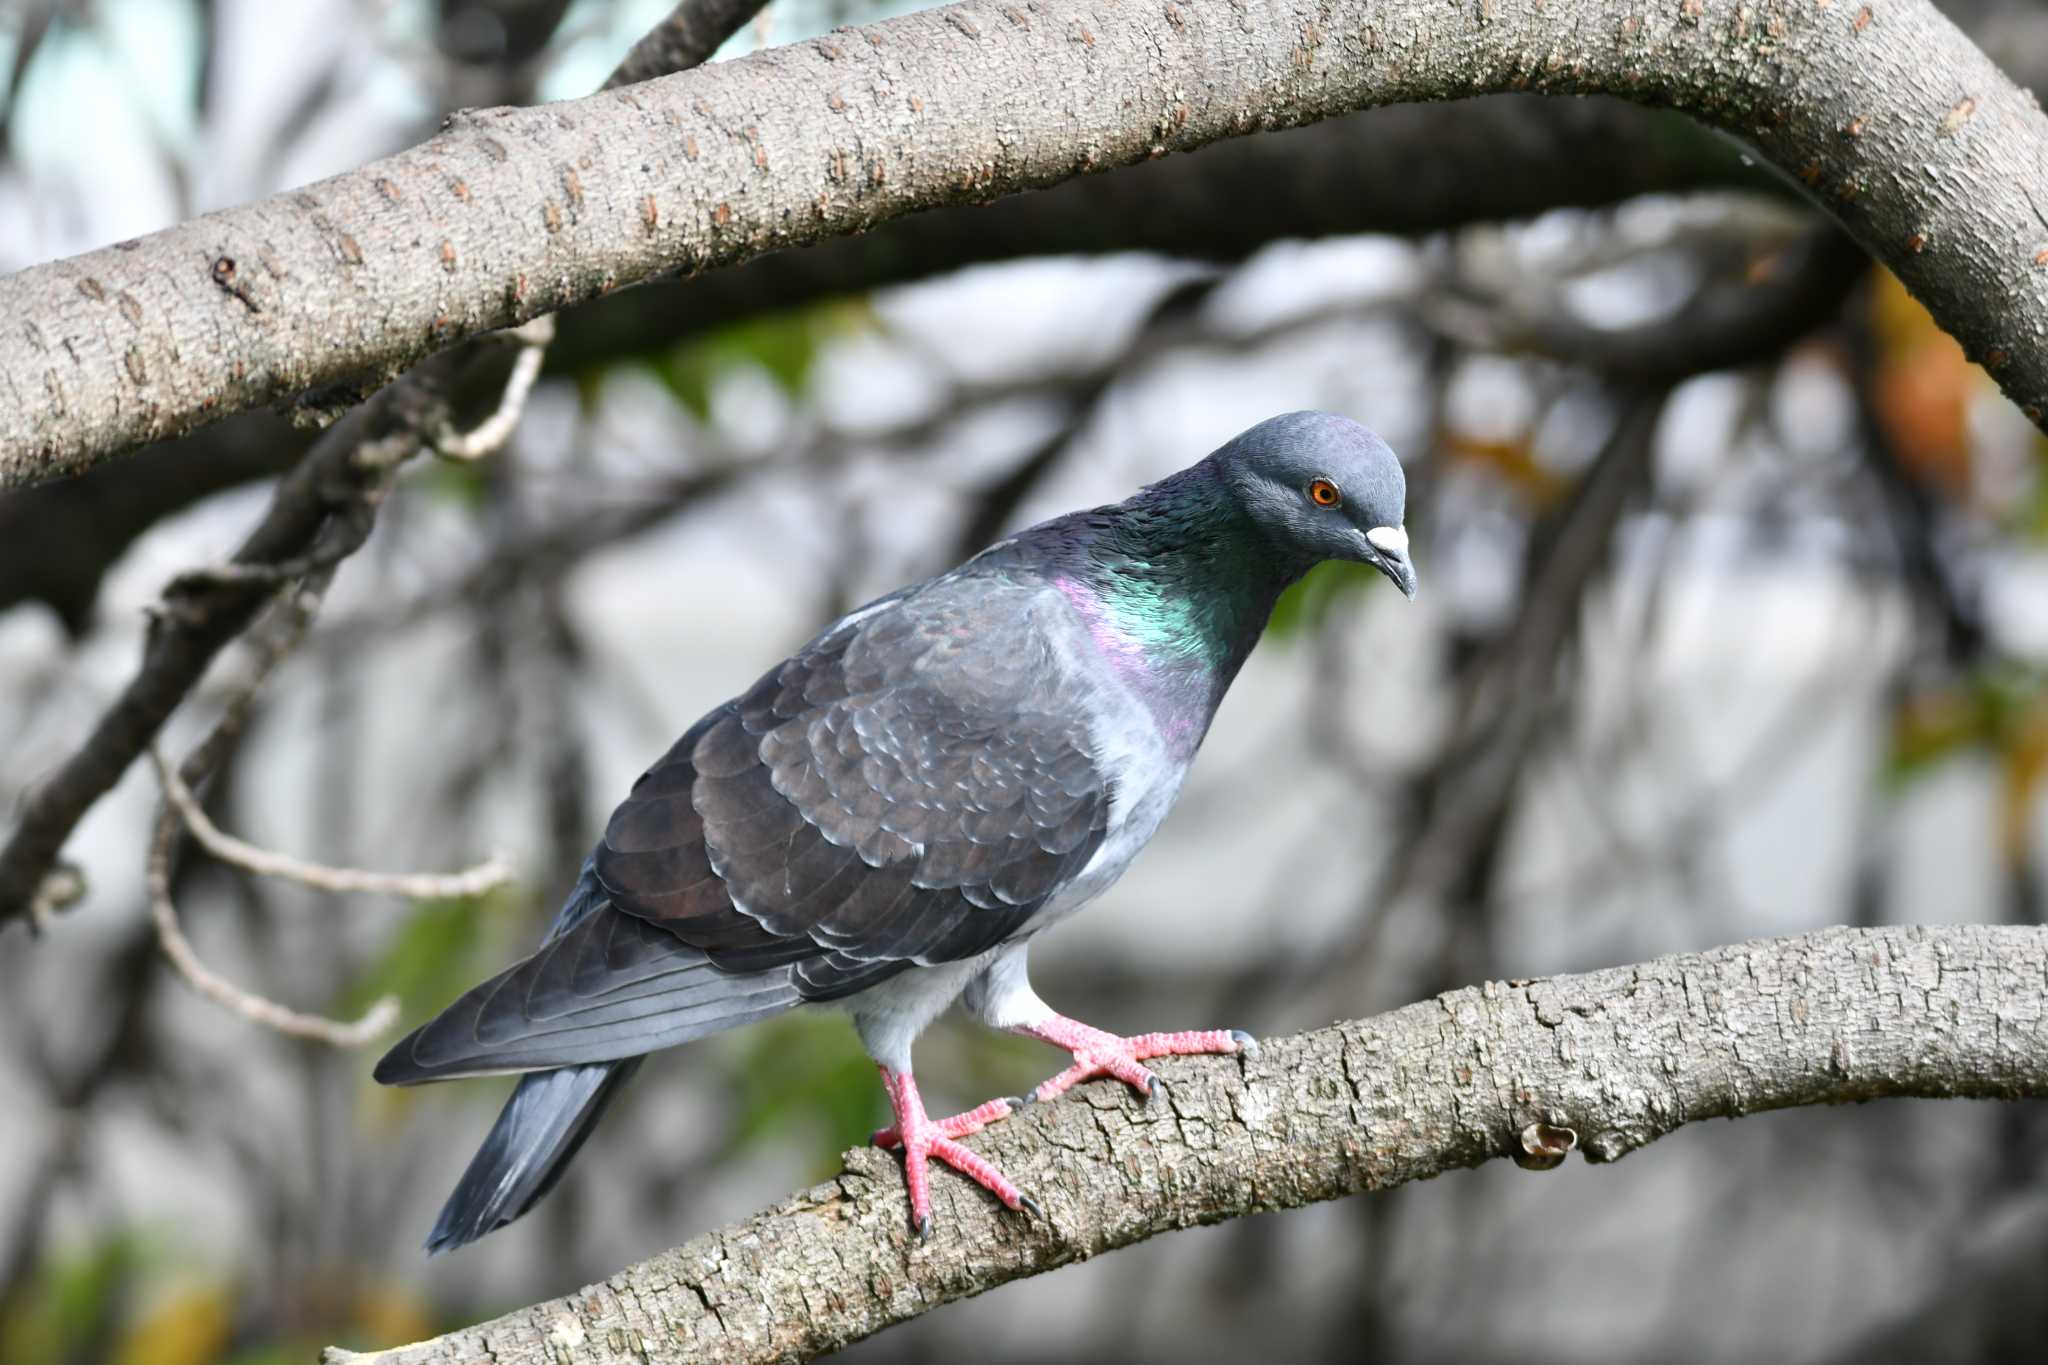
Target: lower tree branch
x=1604 y=1062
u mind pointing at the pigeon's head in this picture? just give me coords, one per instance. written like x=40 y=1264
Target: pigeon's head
x=1324 y=487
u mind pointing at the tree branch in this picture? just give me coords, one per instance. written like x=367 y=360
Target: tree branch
x=320 y=514
x=1479 y=160
x=1607 y=1061
x=511 y=213
x=693 y=31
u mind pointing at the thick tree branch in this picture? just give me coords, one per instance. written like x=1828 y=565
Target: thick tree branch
x=1407 y=169
x=1480 y=160
x=1903 y=129
x=1618 y=1057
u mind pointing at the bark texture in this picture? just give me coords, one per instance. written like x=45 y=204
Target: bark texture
x=1605 y=1062
x=1479 y=160
x=1894 y=120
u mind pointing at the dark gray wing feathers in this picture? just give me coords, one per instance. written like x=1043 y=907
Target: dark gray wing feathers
x=910 y=788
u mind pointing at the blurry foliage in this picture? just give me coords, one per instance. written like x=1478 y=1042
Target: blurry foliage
x=784 y=345
x=466 y=483
x=2032 y=521
x=389 y=1312
x=1303 y=608
x=63 y=1312
x=440 y=950
x=1923 y=388
x=190 y=1327
x=437 y=954
x=1511 y=461
x=804 y=1068
x=2001 y=713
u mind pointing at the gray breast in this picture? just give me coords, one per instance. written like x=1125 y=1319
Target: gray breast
x=1146 y=775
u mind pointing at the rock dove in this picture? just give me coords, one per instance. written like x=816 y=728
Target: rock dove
x=889 y=817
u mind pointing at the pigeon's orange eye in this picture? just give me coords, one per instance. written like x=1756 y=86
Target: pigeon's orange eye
x=1324 y=493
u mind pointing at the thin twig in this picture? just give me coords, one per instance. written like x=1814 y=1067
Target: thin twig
x=488 y=875
x=257 y=1010
x=60 y=890
x=273 y=643
x=491 y=433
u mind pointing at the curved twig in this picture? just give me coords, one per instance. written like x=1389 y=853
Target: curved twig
x=217 y=988
x=486 y=876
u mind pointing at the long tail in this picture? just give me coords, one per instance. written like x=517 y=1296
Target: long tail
x=536 y=1135
x=604 y=989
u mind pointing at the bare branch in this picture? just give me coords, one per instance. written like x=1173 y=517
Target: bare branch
x=1605 y=1062
x=495 y=430
x=486 y=876
x=61 y=888
x=257 y=1010
x=464 y=234
x=692 y=32
x=298 y=610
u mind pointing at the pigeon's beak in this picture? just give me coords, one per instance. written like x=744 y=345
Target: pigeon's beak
x=1390 y=556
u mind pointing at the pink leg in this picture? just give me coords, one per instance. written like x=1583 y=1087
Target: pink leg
x=958 y=1126
x=921 y=1138
x=1104 y=1054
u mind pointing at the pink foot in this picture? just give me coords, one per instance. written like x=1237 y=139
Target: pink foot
x=1104 y=1054
x=922 y=1138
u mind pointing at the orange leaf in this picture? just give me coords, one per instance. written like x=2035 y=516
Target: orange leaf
x=1923 y=387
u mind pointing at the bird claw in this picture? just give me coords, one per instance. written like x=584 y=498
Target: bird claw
x=924 y=1140
x=1155 y=1090
x=1104 y=1054
x=1031 y=1206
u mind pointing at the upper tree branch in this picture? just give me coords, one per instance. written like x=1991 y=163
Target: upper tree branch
x=1620 y=1057
x=1906 y=132
x=1505 y=156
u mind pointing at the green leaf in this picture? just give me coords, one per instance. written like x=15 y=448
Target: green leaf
x=465 y=484
x=802 y=1070
x=1307 y=604
x=784 y=345
x=1980 y=714
x=435 y=956
x=66 y=1306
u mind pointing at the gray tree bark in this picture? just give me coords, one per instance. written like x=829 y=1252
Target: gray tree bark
x=1479 y=160
x=1900 y=127
x=1604 y=1062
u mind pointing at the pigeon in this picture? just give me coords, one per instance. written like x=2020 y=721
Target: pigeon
x=889 y=817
